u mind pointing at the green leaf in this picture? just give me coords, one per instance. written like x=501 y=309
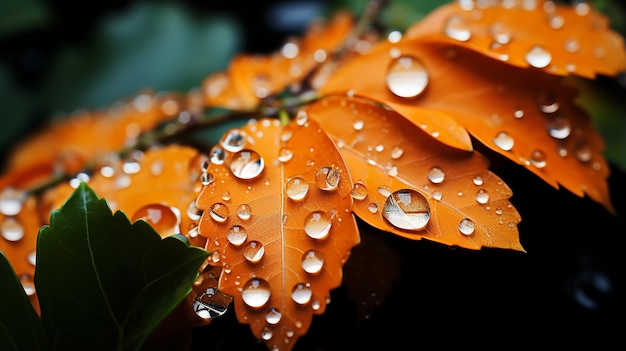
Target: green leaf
x=20 y=328
x=105 y=283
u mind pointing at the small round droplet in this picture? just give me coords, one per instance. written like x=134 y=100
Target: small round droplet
x=397 y=152
x=538 y=159
x=407 y=77
x=436 y=175
x=327 y=178
x=273 y=316
x=207 y=179
x=11 y=201
x=538 y=57
x=12 y=230
x=285 y=154
x=407 y=209
x=244 y=212
x=372 y=207
x=312 y=261
x=457 y=29
x=164 y=219
x=217 y=155
x=478 y=180
x=266 y=333
x=359 y=191
x=234 y=140
x=219 y=212
x=466 y=226
x=482 y=197
x=253 y=251
x=504 y=141
x=317 y=224
x=296 y=188
x=247 y=164
x=237 y=235
x=211 y=303
x=256 y=292
x=301 y=293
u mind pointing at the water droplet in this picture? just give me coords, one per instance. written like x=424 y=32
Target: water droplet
x=11 y=201
x=327 y=178
x=312 y=261
x=559 y=127
x=211 y=303
x=358 y=124
x=466 y=226
x=193 y=212
x=244 y=212
x=217 y=155
x=317 y=224
x=482 y=197
x=478 y=180
x=359 y=191
x=256 y=292
x=301 y=118
x=504 y=141
x=519 y=113
x=164 y=219
x=285 y=155
x=302 y=293
x=436 y=175
x=266 y=333
x=12 y=230
x=28 y=284
x=296 y=188
x=384 y=191
x=219 y=212
x=253 y=251
x=582 y=152
x=407 y=77
x=397 y=152
x=226 y=196
x=247 y=164
x=237 y=235
x=538 y=158
x=437 y=195
x=207 y=179
x=273 y=316
x=457 y=29
x=548 y=103
x=372 y=207
x=407 y=209
x=538 y=57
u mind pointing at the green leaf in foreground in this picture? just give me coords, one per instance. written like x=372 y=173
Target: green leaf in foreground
x=104 y=283
x=20 y=328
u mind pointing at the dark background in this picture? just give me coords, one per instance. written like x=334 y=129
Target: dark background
x=567 y=290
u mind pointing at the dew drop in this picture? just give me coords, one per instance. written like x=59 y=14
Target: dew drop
x=11 y=201
x=504 y=141
x=244 y=212
x=372 y=207
x=273 y=316
x=233 y=140
x=236 y=235
x=247 y=164
x=436 y=175
x=207 y=179
x=358 y=124
x=253 y=251
x=296 y=188
x=219 y=212
x=384 y=191
x=582 y=152
x=317 y=224
x=538 y=57
x=407 y=209
x=217 y=155
x=312 y=261
x=28 y=284
x=466 y=226
x=164 y=219
x=359 y=191
x=193 y=212
x=457 y=29
x=327 y=178
x=12 y=230
x=437 y=195
x=478 y=180
x=256 y=292
x=559 y=127
x=397 y=152
x=538 y=158
x=285 y=154
x=482 y=197
x=407 y=77
x=266 y=333
x=211 y=303
x=302 y=293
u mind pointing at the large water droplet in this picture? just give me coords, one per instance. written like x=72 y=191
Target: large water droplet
x=312 y=261
x=407 y=77
x=296 y=188
x=12 y=230
x=482 y=197
x=164 y=219
x=317 y=224
x=234 y=140
x=211 y=303
x=247 y=164
x=253 y=251
x=237 y=235
x=302 y=293
x=538 y=57
x=256 y=292
x=504 y=141
x=407 y=209
x=327 y=178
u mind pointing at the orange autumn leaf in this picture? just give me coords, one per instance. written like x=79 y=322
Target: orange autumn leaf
x=250 y=78
x=410 y=184
x=277 y=217
x=524 y=114
x=559 y=39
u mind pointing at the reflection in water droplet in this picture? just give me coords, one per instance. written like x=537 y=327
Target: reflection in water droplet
x=538 y=158
x=234 y=140
x=219 y=212
x=466 y=226
x=559 y=127
x=217 y=155
x=256 y=292
x=312 y=261
x=457 y=29
x=266 y=333
x=407 y=209
x=253 y=251
x=372 y=207
x=327 y=178
x=407 y=77
x=273 y=316
x=11 y=201
x=244 y=212
x=207 y=179
x=359 y=191
x=478 y=180
x=437 y=195
x=302 y=293
x=317 y=224
x=237 y=235
x=247 y=164
x=285 y=155
x=211 y=303
x=538 y=57
x=164 y=219
x=12 y=230
x=504 y=141
x=436 y=175
x=296 y=188
x=482 y=197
